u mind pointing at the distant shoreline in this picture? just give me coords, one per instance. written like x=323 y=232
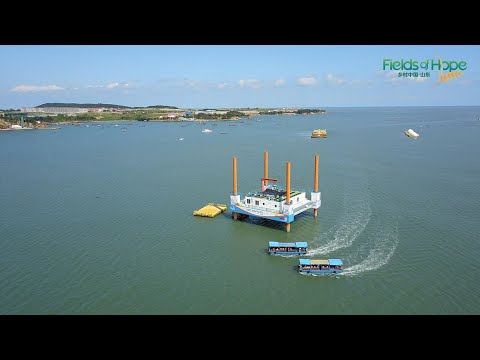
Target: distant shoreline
x=59 y=116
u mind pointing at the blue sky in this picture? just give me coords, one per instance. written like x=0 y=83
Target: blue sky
x=202 y=76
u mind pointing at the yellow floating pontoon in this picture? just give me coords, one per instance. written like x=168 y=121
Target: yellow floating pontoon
x=210 y=210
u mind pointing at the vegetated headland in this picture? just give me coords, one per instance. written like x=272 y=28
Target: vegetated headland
x=63 y=113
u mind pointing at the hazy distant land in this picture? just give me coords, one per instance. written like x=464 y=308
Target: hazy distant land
x=57 y=113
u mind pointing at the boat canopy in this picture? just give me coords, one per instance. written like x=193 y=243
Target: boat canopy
x=319 y=262
x=304 y=261
x=302 y=244
x=280 y=244
x=335 y=262
x=277 y=244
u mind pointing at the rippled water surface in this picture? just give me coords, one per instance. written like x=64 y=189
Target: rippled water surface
x=98 y=219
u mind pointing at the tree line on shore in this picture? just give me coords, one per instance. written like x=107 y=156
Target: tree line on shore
x=141 y=115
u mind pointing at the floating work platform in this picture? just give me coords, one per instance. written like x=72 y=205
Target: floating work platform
x=273 y=202
x=210 y=210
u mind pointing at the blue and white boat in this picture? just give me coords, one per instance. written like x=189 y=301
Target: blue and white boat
x=279 y=248
x=310 y=266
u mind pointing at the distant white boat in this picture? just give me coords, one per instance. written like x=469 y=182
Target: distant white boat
x=206 y=131
x=116 y=124
x=180 y=139
x=411 y=133
x=16 y=127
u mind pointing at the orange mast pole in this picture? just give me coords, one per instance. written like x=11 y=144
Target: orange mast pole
x=287 y=225
x=234 y=214
x=265 y=166
x=315 y=183
x=288 y=182
x=234 y=176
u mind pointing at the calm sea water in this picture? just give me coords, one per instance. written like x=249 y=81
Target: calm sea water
x=98 y=220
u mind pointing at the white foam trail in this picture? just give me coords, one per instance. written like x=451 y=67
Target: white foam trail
x=385 y=246
x=347 y=229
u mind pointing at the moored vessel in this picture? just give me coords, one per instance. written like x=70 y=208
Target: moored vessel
x=319 y=133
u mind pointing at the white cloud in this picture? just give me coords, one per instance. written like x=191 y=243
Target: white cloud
x=116 y=84
x=335 y=80
x=418 y=79
x=309 y=80
x=173 y=82
x=190 y=83
x=393 y=74
x=279 y=82
x=360 y=82
x=464 y=82
x=251 y=83
x=111 y=85
x=392 y=77
x=28 y=88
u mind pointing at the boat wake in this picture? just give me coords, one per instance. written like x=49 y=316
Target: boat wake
x=347 y=229
x=385 y=244
x=378 y=243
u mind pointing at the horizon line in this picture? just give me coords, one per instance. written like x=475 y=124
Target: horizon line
x=267 y=107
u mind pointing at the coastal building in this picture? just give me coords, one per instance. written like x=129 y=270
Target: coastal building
x=216 y=112
x=55 y=110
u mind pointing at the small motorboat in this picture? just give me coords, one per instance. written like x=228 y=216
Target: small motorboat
x=320 y=267
x=279 y=248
